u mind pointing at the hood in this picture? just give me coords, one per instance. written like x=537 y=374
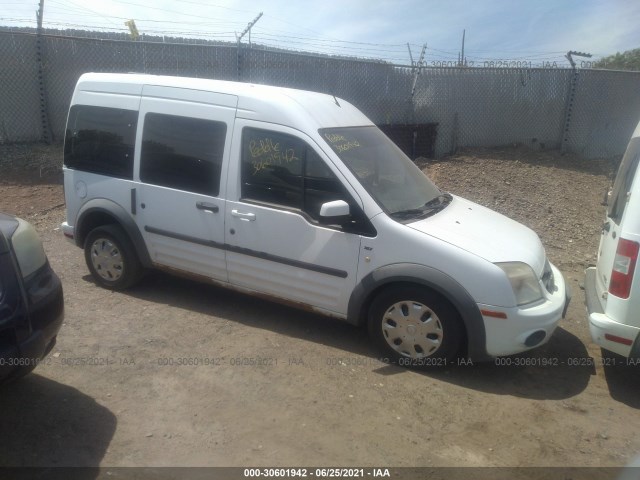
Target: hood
x=485 y=233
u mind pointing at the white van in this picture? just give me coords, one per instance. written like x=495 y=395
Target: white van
x=298 y=197
x=612 y=295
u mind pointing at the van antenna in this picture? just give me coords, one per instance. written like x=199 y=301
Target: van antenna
x=336 y=100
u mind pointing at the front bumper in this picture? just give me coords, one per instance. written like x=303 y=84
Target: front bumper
x=601 y=326
x=525 y=328
x=35 y=330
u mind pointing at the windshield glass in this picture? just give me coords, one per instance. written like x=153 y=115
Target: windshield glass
x=384 y=170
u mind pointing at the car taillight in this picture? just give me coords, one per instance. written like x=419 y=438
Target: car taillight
x=624 y=265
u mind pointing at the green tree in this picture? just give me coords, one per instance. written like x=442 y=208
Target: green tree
x=629 y=60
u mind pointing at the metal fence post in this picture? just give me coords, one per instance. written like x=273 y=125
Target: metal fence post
x=568 y=109
x=570 y=97
x=47 y=135
x=239 y=37
x=239 y=62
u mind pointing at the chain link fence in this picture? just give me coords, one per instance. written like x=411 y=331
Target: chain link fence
x=591 y=112
x=491 y=107
x=604 y=113
x=19 y=95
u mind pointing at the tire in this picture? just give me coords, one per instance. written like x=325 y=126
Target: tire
x=18 y=373
x=415 y=327
x=111 y=258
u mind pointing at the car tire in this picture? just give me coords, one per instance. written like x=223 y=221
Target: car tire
x=415 y=327
x=18 y=373
x=111 y=258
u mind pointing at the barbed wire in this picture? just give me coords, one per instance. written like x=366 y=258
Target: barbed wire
x=431 y=59
x=219 y=29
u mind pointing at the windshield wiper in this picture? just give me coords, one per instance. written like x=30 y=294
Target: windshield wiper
x=432 y=206
x=440 y=200
x=408 y=213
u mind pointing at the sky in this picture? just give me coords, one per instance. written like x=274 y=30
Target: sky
x=537 y=32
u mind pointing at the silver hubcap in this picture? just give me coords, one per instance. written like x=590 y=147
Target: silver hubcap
x=412 y=329
x=107 y=259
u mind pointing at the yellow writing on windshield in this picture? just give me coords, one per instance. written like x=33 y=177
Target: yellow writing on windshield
x=340 y=143
x=334 y=137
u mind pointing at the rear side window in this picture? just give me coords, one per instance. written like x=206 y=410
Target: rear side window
x=101 y=140
x=624 y=179
x=182 y=153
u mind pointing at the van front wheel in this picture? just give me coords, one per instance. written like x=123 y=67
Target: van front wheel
x=415 y=327
x=111 y=258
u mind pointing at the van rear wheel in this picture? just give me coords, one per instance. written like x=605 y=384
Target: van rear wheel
x=415 y=327
x=111 y=258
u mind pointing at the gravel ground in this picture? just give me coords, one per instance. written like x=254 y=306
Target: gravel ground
x=108 y=396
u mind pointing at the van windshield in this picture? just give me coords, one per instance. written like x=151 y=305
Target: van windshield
x=624 y=178
x=390 y=177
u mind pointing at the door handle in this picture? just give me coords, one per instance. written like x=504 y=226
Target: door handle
x=207 y=207
x=247 y=217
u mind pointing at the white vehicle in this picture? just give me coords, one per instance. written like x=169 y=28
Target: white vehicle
x=298 y=197
x=612 y=295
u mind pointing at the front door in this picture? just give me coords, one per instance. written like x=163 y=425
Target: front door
x=276 y=241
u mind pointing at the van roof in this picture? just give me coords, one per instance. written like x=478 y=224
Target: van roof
x=287 y=106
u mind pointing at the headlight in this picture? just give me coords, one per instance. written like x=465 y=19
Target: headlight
x=28 y=248
x=524 y=282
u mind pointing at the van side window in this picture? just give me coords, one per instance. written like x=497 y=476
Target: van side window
x=283 y=171
x=101 y=140
x=182 y=153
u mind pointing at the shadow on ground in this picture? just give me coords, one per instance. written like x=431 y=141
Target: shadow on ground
x=47 y=424
x=621 y=375
x=561 y=369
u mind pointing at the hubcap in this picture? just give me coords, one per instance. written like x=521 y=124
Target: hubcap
x=106 y=259
x=412 y=329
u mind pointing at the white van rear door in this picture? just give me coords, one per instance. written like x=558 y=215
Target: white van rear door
x=614 y=226
x=181 y=158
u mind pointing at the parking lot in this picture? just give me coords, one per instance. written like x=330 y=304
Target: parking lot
x=177 y=373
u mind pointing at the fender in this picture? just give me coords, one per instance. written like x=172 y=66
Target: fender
x=435 y=280
x=119 y=215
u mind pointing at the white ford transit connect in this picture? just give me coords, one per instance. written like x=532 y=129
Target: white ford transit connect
x=612 y=293
x=297 y=196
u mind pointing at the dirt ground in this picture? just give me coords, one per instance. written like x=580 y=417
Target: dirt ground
x=280 y=387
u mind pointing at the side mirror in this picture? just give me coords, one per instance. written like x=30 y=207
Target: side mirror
x=336 y=212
